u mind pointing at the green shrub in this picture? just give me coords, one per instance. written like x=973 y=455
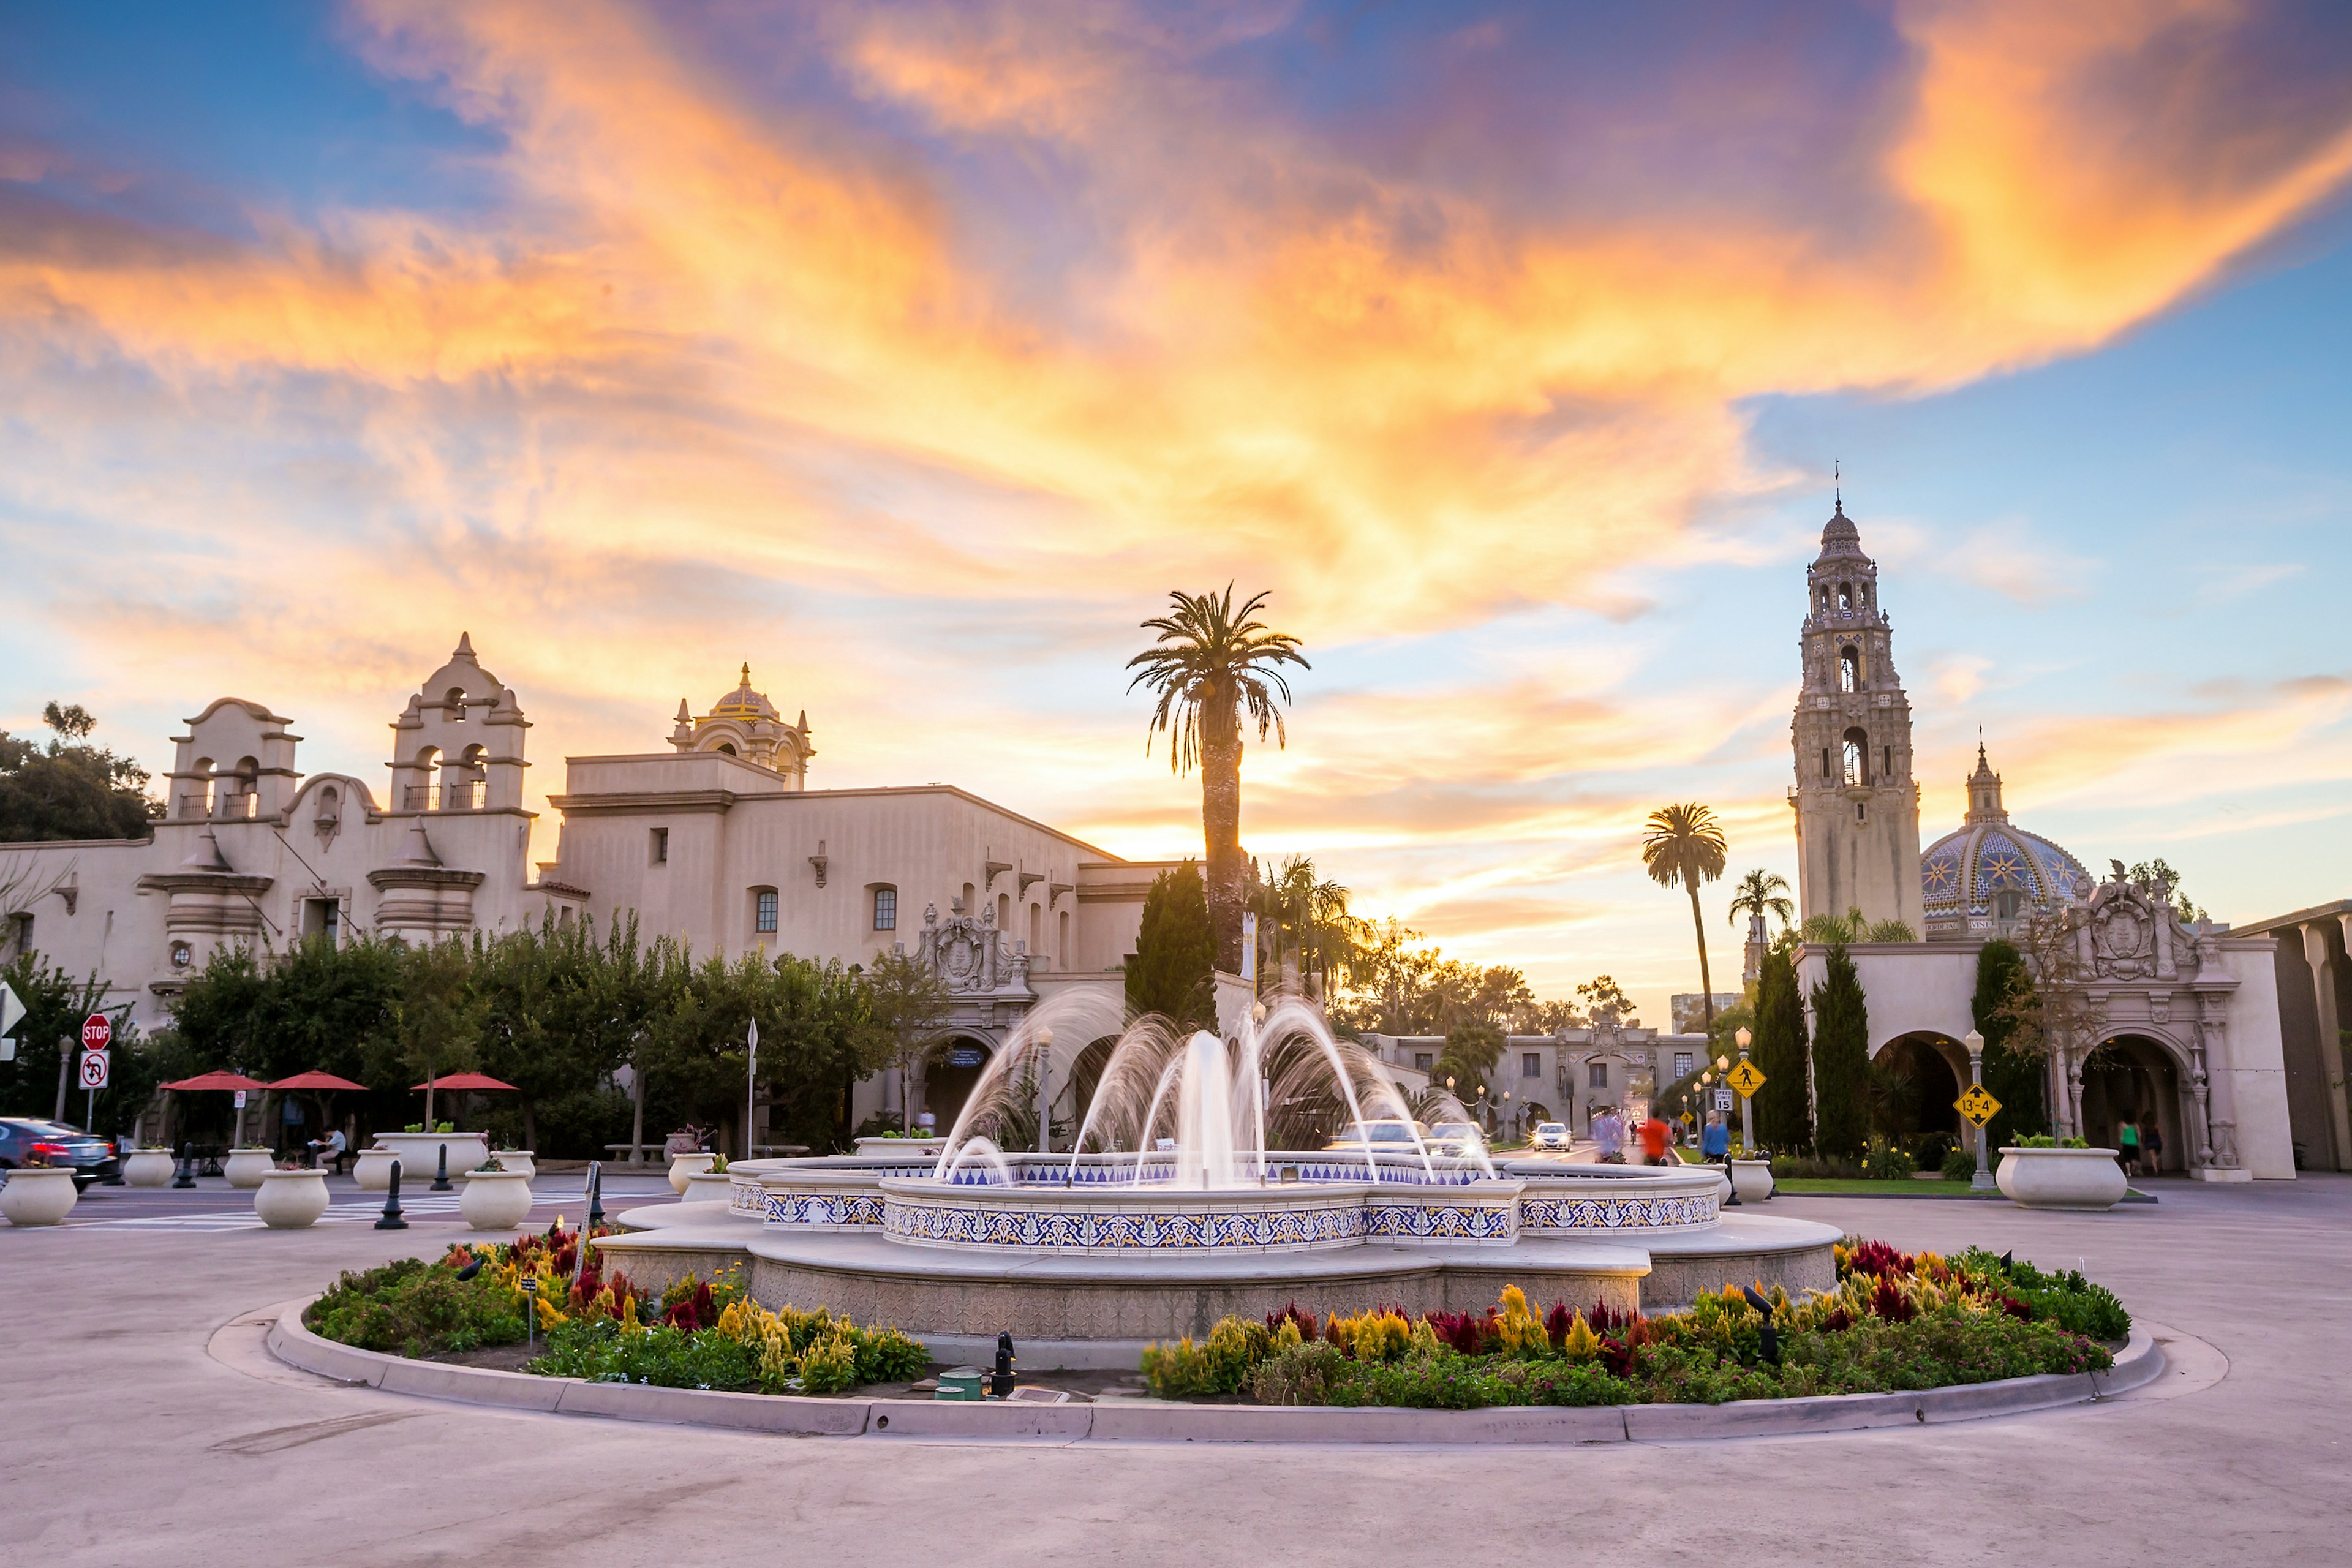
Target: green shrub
x=830 y=1366
x=1960 y=1165
x=1885 y=1161
x=2068 y=1300
x=887 y=1355
x=600 y=1350
x=416 y=1309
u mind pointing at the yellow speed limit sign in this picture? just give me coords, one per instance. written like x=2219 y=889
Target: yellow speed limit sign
x=1976 y=1105
x=1745 y=1078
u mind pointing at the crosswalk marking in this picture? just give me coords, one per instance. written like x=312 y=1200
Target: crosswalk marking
x=365 y=1211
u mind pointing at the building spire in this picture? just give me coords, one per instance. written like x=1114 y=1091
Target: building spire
x=1837 y=484
x=747 y=672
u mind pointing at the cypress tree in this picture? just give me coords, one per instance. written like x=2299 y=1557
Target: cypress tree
x=1841 y=1059
x=1174 y=951
x=1783 y=1114
x=2013 y=1079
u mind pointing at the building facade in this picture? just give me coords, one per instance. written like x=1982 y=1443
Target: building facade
x=716 y=839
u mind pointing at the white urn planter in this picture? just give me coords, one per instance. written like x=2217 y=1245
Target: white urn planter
x=149 y=1168
x=1752 y=1180
x=372 y=1169
x=517 y=1159
x=495 y=1200
x=708 y=1187
x=289 y=1200
x=420 y=1153
x=245 y=1167
x=681 y=1166
x=2085 y=1180
x=38 y=1195
x=904 y=1148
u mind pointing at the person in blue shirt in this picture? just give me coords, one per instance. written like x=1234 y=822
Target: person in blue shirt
x=1715 y=1142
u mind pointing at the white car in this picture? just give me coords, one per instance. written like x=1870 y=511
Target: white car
x=1549 y=1138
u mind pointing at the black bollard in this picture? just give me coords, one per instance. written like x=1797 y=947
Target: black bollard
x=1732 y=1199
x=391 y=1219
x=187 y=1173
x=441 y=1173
x=595 y=1195
x=1000 y=1386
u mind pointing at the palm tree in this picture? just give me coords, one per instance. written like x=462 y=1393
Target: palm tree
x=1683 y=849
x=1310 y=919
x=1763 y=893
x=1208 y=664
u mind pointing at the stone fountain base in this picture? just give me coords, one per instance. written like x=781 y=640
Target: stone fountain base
x=1057 y=1305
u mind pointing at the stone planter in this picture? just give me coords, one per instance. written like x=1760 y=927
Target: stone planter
x=38 y=1195
x=708 y=1187
x=245 y=1167
x=517 y=1159
x=420 y=1152
x=371 y=1169
x=289 y=1200
x=2086 y=1180
x=681 y=1166
x=149 y=1168
x=495 y=1200
x=1752 y=1180
x=896 y=1148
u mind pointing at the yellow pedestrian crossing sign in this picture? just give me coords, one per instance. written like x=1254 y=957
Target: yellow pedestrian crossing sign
x=1745 y=1078
x=1976 y=1105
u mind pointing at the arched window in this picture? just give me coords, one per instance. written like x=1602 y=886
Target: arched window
x=419 y=797
x=886 y=907
x=1062 y=941
x=1005 y=912
x=197 y=799
x=453 y=703
x=1037 y=931
x=726 y=746
x=763 y=910
x=1857 y=757
x=1845 y=597
x=1849 y=668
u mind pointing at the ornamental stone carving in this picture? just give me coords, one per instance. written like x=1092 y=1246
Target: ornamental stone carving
x=971 y=958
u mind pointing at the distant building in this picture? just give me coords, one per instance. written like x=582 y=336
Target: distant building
x=1689 y=1018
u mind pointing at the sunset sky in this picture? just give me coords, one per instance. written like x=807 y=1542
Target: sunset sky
x=913 y=351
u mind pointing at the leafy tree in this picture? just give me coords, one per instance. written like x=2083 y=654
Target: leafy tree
x=1601 y=994
x=2165 y=883
x=71 y=789
x=54 y=1006
x=1783 y=1113
x=1175 y=952
x=2011 y=1077
x=1210 y=664
x=1682 y=848
x=906 y=1014
x=1307 y=920
x=1841 y=1059
x=1763 y=893
x=556 y=1016
x=437 y=1021
x=1472 y=1049
x=1855 y=926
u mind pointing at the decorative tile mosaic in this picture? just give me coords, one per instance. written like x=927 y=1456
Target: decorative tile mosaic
x=1438 y=1222
x=1542 y=1214
x=827 y=1210
x=1150 y=1230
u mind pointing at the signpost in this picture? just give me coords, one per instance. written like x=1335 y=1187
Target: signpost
x=12 y=1013
x=1980 y=1108
x=1722 y=1103
x=94 y=1066
x=1976 y=1105
x=1746 y=1079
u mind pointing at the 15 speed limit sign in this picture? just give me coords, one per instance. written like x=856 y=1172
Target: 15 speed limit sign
x=94 y=1064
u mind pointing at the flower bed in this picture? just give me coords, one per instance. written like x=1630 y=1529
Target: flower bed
x=1895 y=1321
x=602 y=1327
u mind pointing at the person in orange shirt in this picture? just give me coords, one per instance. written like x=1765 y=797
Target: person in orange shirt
x=1653 y=1140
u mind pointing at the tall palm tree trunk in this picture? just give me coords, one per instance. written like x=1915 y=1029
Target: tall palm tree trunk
x=1221 y=824
x=1705 y=985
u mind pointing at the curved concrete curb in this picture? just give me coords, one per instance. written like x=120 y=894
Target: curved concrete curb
x=1154 y=1421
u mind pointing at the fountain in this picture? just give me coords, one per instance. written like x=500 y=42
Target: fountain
x=1176 y=1202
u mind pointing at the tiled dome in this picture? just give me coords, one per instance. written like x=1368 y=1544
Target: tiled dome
x=1984 y=878
x=743 y=702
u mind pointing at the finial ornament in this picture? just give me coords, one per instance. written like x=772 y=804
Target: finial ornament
x=747 y=672
x=1837 y=483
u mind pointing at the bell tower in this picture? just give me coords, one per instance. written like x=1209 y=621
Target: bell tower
x=1856 y=806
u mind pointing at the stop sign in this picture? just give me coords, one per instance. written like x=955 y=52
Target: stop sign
x=97 y=1032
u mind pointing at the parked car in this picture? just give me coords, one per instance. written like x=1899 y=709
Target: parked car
x=1391 y=1135
x=1549 y=1138
x=1461 y=1140
x=27 y=1140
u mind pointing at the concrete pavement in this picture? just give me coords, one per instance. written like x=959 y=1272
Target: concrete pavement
x=138 y=1429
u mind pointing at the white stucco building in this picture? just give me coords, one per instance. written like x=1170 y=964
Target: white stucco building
x=2179 y=1027
x=714 y=836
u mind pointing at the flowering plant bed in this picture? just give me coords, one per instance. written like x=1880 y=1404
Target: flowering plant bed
x=1895 y=1322
x=602 y=1327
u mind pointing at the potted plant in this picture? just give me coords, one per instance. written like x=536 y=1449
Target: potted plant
x=496 y=1196
x=245 y=1167
x=148 y=1168
x=289 y=1200
x=38 y=1193
x=420 y=1151
x=371 y=1169
x=713 y=1185
x=692 y=1164
x=1751 y=1177
x=2042 y=1173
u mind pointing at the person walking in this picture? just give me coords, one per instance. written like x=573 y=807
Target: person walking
x=2151 y=1147
x=1653 y=1140
x=1715 y=1143
x=2128 y=1145
x=1609 y=1132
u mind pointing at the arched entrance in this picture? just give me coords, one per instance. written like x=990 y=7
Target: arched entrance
x=2132 y=1077
x=1084 y=1078
x=1914 y=1081
x=954 y=1068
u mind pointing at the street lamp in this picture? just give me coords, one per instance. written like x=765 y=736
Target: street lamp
x=1982 y=1181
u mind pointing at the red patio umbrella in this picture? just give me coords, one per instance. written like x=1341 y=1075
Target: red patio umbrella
x=462 y=1081
x=217 y=1080
x=314 y=1079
